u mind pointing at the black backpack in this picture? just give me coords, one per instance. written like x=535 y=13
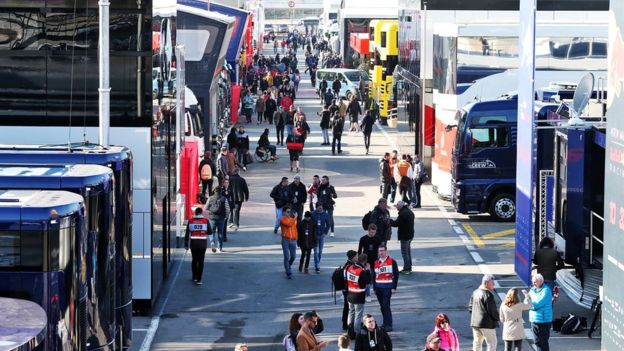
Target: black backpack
x=216 y=205
x=573 y=324
x=338 y=280
x=366 y=220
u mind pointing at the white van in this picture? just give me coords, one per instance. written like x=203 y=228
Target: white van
x=350 y=79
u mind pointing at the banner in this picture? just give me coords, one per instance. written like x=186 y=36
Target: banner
x=525 y=163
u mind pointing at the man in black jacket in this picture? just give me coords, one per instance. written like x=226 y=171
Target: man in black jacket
x=282 y=196
x=371 y=337
x=326 y=193
x=337 y=123
x=240 y=194
x=484 y=315
x=270 y=108
x=299 y=196
x=336 y=85
x=405 y=234
x=385 y=176
x=381 y=217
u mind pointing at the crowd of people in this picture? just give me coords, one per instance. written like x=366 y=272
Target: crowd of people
x=304 y=218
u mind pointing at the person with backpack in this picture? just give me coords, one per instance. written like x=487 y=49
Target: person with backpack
x=358 y=277
x=326 y=193
x=339 y=282
x=306 y=240
x=207 y=169
x=511 y=316
x=216 y=218
x=541 y=313
x=197 y=231
x=281 y=197
x=322 y=222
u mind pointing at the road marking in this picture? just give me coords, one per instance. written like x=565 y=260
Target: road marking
x=475 y=238
x=499 y=234
x=151 y=331
x=452 y=222
x=458 y=230
x=476 y=257
x=506 y=245
x=486 y=271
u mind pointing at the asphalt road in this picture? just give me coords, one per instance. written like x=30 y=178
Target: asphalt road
x=247 y=298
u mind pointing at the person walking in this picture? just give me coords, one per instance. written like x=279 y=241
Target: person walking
x=352 y=257
x=222 y=164
x=281 y=197
x=419 y=178
x=385 y=283
x=196 y=238
x=448 y=336
x=405 y=234
x=207 y=169
x=548 y=261
x=336 y=85
x=306 y=240
x=288 y=224
x=394 y=160
x=216 y=218
x=325 y=124
x=381 y=217
x=248 y=106
x=405 y=175
x=541 y=313
x=270 y=106
x=240 y=194
x=232 y=139
x=306 y=340
x=313 y=199
x=385 y=175
x=260 y=108
x=337 y=124
x=280 y=123
x=322 y=221
x=326 y=194
x=243 y=146
x=511 y=316
x=294 y=144
x=354 y=110
x=372 y=337
x=226 y=191
x=299 y=195
x=367 y=128
x=484 y=315
x=358 y=276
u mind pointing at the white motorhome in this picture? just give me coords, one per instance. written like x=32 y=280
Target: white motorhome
x=478 y=60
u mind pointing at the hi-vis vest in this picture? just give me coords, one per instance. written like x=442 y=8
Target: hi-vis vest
x=383 y=271
x=353 y=278
x=198 y=228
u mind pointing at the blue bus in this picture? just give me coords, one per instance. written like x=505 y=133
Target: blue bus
x=43 y=251
x=119 y=160
x=95 y=184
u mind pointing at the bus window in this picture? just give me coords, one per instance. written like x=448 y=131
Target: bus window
x=21 y=250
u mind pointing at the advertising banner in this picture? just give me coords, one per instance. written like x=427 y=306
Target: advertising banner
x=525 y=162
x=613 y=273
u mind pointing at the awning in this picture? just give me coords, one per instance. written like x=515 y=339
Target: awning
x=360 y=43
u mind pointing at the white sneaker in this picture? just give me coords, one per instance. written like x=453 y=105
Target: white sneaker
x=232 y=225
x=369 y=299
x=219 y=250
x=331 y=235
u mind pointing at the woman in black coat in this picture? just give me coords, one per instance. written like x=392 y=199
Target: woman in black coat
x=306 y=240
x=232 y=139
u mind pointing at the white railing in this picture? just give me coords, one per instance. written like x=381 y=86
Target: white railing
x=592 y=237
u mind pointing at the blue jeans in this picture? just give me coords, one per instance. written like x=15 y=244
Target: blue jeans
x=278 y=216
x=216 y=226
x=289 y=248
x=318 y=251
x=289 y=129
x=383 y=296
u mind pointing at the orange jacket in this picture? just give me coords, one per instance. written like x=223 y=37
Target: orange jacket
x=403 y=167
x=289 y=228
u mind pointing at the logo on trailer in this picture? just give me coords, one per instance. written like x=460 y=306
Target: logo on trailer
x=481 y=164
x=291 y=3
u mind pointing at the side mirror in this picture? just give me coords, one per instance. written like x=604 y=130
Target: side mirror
x=467 y=147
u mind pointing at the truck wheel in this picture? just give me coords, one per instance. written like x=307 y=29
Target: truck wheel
x=503 y=207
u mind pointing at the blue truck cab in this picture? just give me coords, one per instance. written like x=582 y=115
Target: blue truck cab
x=484 y=157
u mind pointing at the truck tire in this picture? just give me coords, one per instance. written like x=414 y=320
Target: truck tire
x=503 y=207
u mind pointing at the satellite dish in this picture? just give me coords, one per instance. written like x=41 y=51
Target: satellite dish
x=582 y=94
